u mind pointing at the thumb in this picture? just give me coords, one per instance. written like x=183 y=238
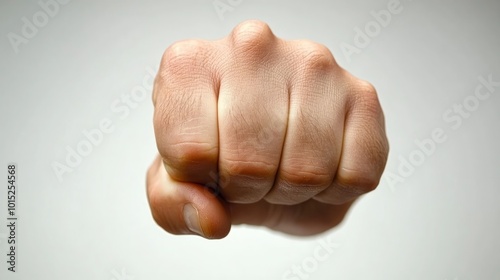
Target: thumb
x=185 y=208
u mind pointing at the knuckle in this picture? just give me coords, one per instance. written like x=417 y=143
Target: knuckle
x=186 y=57
x=366 y=98
x=367 y=90
x=367 y=87
x=314 y=56
x=252 y=38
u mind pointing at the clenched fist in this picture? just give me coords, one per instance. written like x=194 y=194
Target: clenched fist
x=253 y=129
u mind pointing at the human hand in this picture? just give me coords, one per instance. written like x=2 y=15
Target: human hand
x=253 y=129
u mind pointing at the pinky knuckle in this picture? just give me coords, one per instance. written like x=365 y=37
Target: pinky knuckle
x=366 y=97
x=185 y=57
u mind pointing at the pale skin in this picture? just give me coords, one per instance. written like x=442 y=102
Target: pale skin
x=254 y=129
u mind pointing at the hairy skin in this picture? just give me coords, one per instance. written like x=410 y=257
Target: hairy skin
x=285 y=137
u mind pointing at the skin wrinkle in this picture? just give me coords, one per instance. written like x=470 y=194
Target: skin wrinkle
x=179 y=145
x=196 y=130
x=318 y=176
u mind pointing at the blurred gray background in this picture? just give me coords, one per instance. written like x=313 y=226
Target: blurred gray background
x=67 y=67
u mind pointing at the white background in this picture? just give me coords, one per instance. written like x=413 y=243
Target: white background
x=441 y=222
